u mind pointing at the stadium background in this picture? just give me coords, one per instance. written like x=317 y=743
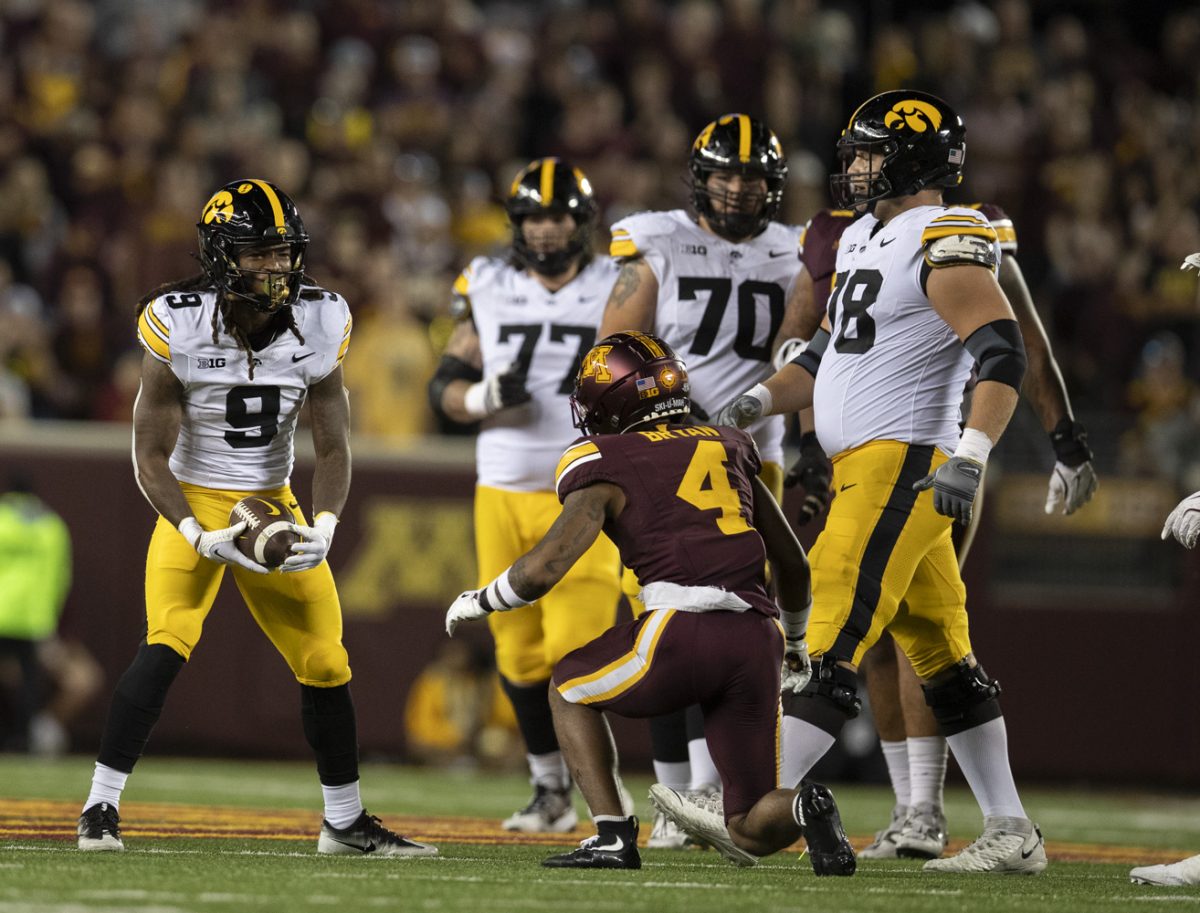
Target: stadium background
x=397 y=127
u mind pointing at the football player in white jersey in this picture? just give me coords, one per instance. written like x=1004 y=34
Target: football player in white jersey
x=915 y=304
x=713 y=284
x=230 y=358
x=525 y=324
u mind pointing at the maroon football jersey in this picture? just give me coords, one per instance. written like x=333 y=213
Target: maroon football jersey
x=689 y=504
x=819 y=243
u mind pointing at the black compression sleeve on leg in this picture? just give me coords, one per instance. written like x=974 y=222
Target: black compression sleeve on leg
x=695 y=723
x=136 y=705
x=531 y=703
x=669 y=737
x=332 y=731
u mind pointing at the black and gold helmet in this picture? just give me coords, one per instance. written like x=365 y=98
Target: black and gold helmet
x=244 y=215
x=551 y=186
x=919 y=142
x=744 y=145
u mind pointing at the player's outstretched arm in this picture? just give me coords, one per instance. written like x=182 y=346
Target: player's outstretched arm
x=537 y=571
x=633 y=301
x=793 y=584
x=1073 y=481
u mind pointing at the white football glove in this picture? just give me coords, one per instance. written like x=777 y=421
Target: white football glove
x=797 y=668
x=1070 y=487
x=466 y=607
x=499 y=391
x=314 y=543
x=1184 y=521
x=218 y=545
x=1191 y=261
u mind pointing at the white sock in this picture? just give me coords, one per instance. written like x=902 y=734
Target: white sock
x=675 y=774
x=704 y=771
x=549 y=770
x=803 y=746
x=982 y=754
x=895 y=754
x=107 y=785
x=927 y=765
x=342 y=804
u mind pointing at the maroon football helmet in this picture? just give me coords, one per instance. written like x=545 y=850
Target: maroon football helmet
x=626 y=379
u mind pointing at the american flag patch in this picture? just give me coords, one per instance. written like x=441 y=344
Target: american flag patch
x=955 y=156
x=647 y=386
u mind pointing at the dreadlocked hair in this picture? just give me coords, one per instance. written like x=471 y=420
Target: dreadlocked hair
x=190 y=284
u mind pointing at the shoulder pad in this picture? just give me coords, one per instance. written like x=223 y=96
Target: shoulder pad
x=633 y=234
x=1006 y=231
x=953 y=250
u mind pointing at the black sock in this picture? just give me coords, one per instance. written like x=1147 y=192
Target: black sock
x=669 y=737
x=331 y=730
x=624 y=828
x=137 y=703
x=531 y=703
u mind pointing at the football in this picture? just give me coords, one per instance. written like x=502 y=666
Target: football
x=268 y=538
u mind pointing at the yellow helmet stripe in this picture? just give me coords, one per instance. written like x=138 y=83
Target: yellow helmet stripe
x=705 y=135
x=743 y=138
x=276 y=206
x=654 y=347
x=548 y=166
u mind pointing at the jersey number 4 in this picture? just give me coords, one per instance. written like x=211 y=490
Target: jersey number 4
x=706 y=486
x=748 y=293
x=853 y=295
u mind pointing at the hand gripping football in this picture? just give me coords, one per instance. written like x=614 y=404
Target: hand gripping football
x=268 y=537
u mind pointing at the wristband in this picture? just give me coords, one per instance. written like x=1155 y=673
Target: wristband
x=763 y=395
x=499 y=595
x=190 y=528
x=475 y=400
x=975 y=445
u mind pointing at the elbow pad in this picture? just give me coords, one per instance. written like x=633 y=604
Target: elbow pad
x=810 y=358
x=449 y=369
x=999 y=350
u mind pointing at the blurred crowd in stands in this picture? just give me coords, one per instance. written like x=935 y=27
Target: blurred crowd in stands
x=398 y=126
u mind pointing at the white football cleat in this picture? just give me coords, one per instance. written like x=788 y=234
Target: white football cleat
x=1177 y=874
x=884 y=844
x=702 y=818
x=1007 y=846
x=923 y=835
x=550 y=811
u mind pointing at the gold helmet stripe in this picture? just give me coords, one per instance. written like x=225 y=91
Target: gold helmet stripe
x=548 y=166
x=705 y=135
x=655 y=349
x=276 y=206
x=743 y=137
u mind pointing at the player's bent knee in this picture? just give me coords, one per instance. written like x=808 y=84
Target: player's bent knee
x=968 y=698
x=326 y=667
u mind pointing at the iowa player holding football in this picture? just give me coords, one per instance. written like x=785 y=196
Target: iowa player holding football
x=914 y=750
x=524 y=325
x=690 y=516
x=712 y=283
x=915 y=303
x=230 y=357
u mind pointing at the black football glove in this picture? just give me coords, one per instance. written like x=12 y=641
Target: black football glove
x=954 y=485
x=812 y=470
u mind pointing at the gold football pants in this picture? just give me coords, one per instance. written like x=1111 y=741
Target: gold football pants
x=299 y=612
x=883 y=545
x=531 y=639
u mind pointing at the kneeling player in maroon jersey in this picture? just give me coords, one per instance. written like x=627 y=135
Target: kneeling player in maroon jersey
x=686 y=510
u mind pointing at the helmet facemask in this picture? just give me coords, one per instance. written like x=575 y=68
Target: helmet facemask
x=863 y=189
x=282 y=287
x=726 y=211
x=552 y=262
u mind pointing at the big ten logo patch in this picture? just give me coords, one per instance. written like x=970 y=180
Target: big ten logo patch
x=414 y=551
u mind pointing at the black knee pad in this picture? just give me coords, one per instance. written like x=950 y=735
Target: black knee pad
x=967 y=700
x=669 y=737
x=136 y=705
x=834 y=685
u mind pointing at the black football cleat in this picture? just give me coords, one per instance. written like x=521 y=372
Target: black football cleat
x=100 y=828
x=828 y=849
x=601 y=851
x=367 y=836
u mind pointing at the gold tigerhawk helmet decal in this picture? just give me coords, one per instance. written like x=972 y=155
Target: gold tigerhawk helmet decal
x=917 y=116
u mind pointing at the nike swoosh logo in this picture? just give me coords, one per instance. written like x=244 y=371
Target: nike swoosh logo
x=610 y=848
x=776 y=253
x=844 y=487
x=270 y=508
x=887 y=242
x=296 y=358
x=1025 y=855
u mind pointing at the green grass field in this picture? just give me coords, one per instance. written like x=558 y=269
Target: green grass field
x=217 y=836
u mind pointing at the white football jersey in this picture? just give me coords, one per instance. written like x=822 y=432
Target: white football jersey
x=519 y=320
x=236 y=432
x=720 y=304
x=893 y=370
